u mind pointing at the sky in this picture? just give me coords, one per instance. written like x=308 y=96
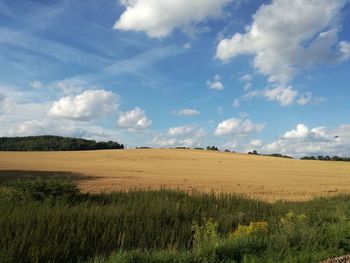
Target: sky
x=243 y=75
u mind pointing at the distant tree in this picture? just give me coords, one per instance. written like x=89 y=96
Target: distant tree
x=336 y=158
x=53 y=143
x=308 y=158
x=326 y=158
x=212 y=148
x=279 y=155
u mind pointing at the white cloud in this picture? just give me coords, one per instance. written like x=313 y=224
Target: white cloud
x=305 y=141
x=186 y=112
x=67 y=87
x=182 y=136
x=159 y=141
x=285 y=96
x=180 y=131
x=36 y=85
x=134 y=120
x=215 y=84
x=256 y=143
x=2 y=101
x=302 y=131
x=41 y=127
x=307 y=98
x=246 y=77
x=253 y=145
x=236 y=126
x=344 y=50
x=187 y=46
x=57 y=127
x=247 y=87
x=26 y=113
x=160 y=18
x=286 y=36
x=236 y=103
x=23 y=118
x=86 y=106
x=6 y=104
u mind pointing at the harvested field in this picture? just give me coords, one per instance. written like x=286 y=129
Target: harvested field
x=269 y=178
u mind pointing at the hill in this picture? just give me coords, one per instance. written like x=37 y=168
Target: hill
x=263 y=177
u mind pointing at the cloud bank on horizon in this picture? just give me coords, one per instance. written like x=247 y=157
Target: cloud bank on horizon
x=267 y=75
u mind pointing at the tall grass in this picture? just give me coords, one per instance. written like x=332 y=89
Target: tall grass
x=74 y=227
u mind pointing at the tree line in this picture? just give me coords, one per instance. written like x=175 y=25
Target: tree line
x=54 y=143
x=326 y=158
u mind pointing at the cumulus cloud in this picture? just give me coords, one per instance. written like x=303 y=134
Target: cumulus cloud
x=134 y=120
x=236 y=126
x=40 y=127
x=160 y=141
x=186 y=112
x=302 y=131
x=216 y=83
x=160 y=18
x=86 y=106
x=180 y=131
x=57 y=127
x=181 y=136
x=303 y=141
x=23 y=118
x=285 y=96
x=289 y=35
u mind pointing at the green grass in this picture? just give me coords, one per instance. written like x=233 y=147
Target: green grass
x=50 y=221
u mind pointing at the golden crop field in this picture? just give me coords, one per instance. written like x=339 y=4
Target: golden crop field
x=269 y=178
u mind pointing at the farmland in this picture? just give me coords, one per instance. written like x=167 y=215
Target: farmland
x=262 y=177
x=117 y=209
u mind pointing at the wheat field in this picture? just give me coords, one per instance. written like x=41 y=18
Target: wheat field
x=267 y=178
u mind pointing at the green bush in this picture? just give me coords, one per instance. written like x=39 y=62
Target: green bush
x=40 y=189
x=205 y=238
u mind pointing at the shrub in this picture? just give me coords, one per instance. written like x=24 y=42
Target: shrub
x=295 y=232
x=253 y=228
x=205 y=238
x=40 y=189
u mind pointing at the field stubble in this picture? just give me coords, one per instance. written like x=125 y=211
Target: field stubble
x=267 y=178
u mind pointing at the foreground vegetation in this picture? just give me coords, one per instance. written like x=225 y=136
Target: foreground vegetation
x=49 y=220
x=54 y=143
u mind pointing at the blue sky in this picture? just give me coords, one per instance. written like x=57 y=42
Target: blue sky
x=240 y=74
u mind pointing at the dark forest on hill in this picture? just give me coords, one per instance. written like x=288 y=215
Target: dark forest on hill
x=54 y=143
